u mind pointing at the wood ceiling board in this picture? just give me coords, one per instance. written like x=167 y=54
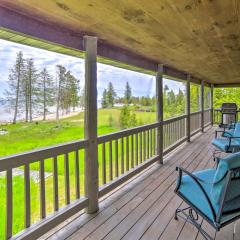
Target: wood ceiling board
x=198 y=36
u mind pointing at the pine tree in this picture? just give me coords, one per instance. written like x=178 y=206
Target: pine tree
x=30 y=82
x=104 y=99
x=128 y=94
x=15 y=80
x=82 y=98
x=111 y=95
x=71 y=91
x=45 y=91
x=61 y=71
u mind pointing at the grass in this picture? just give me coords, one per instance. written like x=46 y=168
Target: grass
x=23 y=137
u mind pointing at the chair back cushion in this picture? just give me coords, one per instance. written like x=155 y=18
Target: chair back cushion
x=220 y=179
x=236 y=132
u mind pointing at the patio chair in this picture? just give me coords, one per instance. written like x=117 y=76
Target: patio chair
x=229 y=142
x=227 y=130
x=213 y=194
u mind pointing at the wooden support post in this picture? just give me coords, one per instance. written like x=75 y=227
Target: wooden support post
x=159 y=97
x=188 y=120
x=90 y=130
x=202 y=106
x=212 y=111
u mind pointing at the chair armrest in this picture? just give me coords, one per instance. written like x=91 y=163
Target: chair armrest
x=198 y=183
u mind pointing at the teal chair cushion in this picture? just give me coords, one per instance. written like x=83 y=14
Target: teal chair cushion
x=219 y=181
x=228 y=133
x=236 y=132
x=192 y=192
x=223 y=144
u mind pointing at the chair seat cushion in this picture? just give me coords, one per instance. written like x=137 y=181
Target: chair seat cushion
x=223 y=144
x=192 y=192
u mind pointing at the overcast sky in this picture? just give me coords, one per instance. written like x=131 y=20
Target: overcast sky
x=141 y=84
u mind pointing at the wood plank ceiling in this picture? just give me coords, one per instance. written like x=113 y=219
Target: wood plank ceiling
x=201 y=37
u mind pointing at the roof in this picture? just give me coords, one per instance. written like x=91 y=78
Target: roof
x=200 y=37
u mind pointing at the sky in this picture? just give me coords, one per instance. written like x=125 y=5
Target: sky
x=141 y=84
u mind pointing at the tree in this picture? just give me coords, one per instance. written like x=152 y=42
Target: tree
x=104 y=99
x=67 y=91
x=71 y=91
x=30 y=81
x=127 y=119
x=111 y=95
x=15 y=80
x=82 y=98
x=128 y=94
x=61 y=71
x=46 y=91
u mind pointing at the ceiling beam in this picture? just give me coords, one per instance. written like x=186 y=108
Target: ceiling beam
x=59 y=35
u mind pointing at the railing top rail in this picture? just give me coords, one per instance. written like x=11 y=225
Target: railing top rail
x=126 y=132
x=17 y=160
x=195 y=113
x=174 y=119
x=207 y=109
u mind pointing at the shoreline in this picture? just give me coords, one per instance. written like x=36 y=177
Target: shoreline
x=50 y=116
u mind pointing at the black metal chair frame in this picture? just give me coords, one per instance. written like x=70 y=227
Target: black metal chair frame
x=189 y=212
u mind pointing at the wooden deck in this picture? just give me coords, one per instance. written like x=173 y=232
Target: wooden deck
x=144 y=207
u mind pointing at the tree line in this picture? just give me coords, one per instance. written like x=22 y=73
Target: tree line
x=33 y=91
x=109 y=97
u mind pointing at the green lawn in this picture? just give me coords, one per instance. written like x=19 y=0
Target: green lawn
x=28 y=136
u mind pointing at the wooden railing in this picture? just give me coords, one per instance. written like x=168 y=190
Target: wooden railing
x=207 y=116
x=124 y=153
x=121 y=155
x=195 y=122
x=174 y=131
x=67 y=155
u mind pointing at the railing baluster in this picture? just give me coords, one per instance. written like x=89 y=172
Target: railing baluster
x=55 y=183
x=141 y=148
x=77 y=179
x=110 y=162
x=42 y=190
x=148 y=145
x=127 y=153
x=104 y=163
x=122 y=155
x=116 y=158
x=137 y=149
x=27 y=196
x=168 y=138
x=9 y=202
x=154 y=140
x=132 y=152
x=66 y=175
x=151 y=143
x=144 y=146
x=164 y=137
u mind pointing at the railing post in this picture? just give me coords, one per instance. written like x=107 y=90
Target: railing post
x=90 y=130
x=159 y=97
x=202 y=105
x=188 y=120
x=212 y=111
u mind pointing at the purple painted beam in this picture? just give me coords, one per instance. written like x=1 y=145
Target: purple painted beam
x=23 y=24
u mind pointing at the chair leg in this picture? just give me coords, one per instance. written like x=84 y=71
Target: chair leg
x=191 y=216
